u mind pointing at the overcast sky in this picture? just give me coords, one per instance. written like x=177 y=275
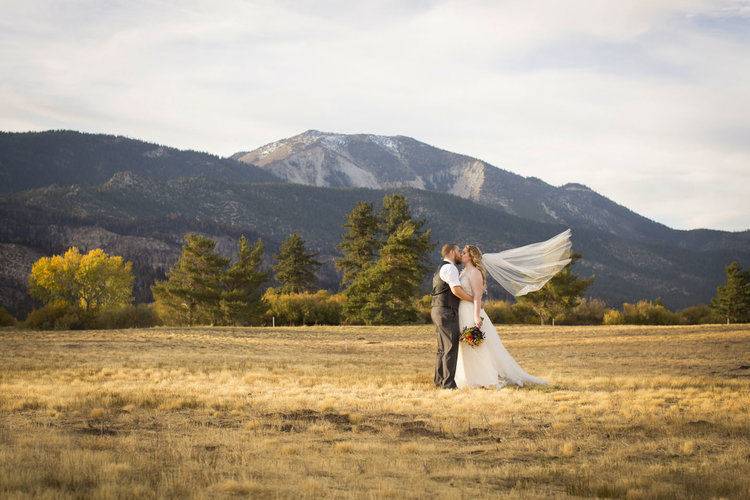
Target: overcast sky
x=647 y=102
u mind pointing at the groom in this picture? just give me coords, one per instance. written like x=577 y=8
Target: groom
x=446 y=294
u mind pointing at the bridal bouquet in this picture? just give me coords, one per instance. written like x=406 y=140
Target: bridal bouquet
x=472 y=335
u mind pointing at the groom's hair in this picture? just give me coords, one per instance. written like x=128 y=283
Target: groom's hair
x=447 y=248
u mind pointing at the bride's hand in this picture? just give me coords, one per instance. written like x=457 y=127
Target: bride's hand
x=478 y=321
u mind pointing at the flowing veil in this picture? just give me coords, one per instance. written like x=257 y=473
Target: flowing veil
x=526 y=269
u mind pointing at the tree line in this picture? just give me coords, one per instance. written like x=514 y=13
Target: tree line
x=383 y=261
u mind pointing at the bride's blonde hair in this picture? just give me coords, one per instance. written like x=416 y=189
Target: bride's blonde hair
x=475 y=255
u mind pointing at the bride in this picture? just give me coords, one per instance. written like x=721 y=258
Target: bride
x=520 y=271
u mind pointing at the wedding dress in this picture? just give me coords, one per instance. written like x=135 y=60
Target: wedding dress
x=520 y=271
x=489 y=364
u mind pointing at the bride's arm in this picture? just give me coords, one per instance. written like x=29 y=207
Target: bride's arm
x=477 y=286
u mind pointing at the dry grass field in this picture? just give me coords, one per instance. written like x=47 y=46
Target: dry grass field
x=636 y=412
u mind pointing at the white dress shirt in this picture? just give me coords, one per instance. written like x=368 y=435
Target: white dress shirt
x=449 y=274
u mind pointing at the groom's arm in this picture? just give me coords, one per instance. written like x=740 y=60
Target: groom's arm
x=449 y=274
x=459 y=292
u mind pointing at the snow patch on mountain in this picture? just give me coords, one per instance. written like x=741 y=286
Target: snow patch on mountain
x=336 y=142
x=268 y=149
x=388 y=143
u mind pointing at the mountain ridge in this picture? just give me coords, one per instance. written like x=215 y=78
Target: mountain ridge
x=30 y=160
x=141 y=210
x=129 y=220
x=330 y=159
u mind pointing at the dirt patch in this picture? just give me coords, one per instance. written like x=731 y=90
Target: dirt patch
x=418 y=428
x=336 y=418
x=699 y=424
x=303 y=415
x=295 y=420
x=96 y=431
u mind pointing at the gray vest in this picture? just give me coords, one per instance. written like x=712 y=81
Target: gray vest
x=441 y=292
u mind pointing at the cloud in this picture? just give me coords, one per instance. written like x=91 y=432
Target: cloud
x=646 y=102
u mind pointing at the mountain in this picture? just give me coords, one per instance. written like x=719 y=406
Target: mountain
x=385 y=162
x=143 y=208
x=144 y=220
x=38 y=159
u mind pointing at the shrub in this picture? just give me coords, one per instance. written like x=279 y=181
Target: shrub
x=61 y=315
x=587 y=312
x=6 y=319
x=500 y=311
x=646 y=312
x=524 y=314
x=424 y=308
x=307 y=308
x=56 y=315
x=700 y=314
x=613 y=317
x=131 y=316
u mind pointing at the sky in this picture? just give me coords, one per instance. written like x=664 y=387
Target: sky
x=647 y=102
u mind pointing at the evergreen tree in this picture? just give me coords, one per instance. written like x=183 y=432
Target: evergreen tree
x=394 y=214
x=192 y=292
x=732 y=300
x=242 y=302
x=360 y=244
x=295 y=267
x=386 y=291
x=560 y=295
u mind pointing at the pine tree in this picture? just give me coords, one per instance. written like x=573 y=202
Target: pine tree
x=192 y=292
x=394 y=214
x=386 y=292
x=560 y=295
x=360 y=244
x=732 y=300
x=242 y=303
x=295 y=267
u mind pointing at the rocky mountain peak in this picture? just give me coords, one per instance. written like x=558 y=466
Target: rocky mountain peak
x=329 y=159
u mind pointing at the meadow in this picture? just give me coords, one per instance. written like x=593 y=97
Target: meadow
x=633 y=412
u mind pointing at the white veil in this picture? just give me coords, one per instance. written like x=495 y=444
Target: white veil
x=526 y=269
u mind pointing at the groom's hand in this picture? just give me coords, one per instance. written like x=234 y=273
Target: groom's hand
x=459 y=292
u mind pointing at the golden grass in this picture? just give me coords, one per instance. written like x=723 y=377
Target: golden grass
x=636 y=412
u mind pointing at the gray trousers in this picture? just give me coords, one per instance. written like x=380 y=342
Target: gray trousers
x=446 y=323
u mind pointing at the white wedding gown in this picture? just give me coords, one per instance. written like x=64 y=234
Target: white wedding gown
x=489 y=364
